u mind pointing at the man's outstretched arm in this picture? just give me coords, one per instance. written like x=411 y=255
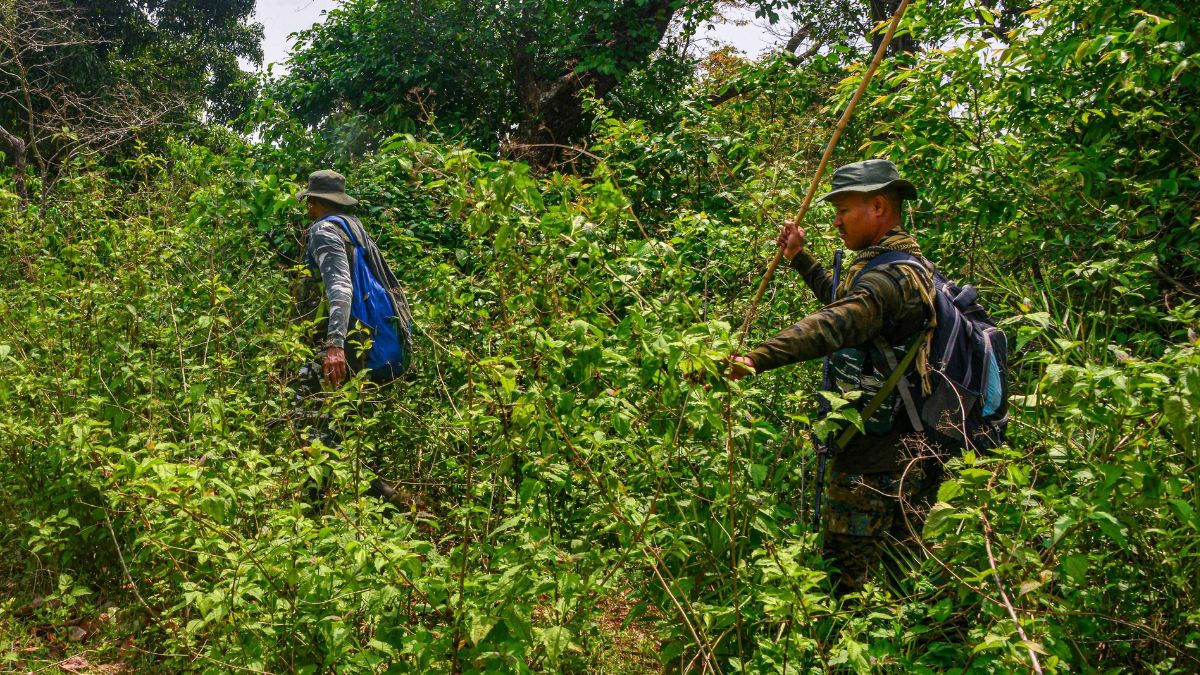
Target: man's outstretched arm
x=880 y=298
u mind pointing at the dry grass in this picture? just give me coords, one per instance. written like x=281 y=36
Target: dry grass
x=627 y=649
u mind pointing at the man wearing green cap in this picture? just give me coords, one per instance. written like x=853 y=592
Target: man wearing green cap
x=329 y=254
x=877 y=488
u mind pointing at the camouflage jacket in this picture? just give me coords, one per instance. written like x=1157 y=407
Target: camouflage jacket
x=326 y=256
x=885 y=302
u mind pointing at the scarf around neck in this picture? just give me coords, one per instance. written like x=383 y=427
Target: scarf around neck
x=895 y=240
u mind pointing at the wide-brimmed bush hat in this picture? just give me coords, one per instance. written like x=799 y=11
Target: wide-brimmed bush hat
x=869 y=175
x=327 y=184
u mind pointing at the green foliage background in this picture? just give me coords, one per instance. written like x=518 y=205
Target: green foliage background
x=560 y=468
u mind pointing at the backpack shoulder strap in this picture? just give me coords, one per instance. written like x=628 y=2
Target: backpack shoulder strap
x=341 y=220
x=903 y=387
x=886 y=259
x=884 y=390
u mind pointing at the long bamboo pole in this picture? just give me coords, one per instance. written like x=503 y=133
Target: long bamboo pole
x=816 y=180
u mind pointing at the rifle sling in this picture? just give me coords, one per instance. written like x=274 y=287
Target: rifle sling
x=879 y=397
x=905 y=391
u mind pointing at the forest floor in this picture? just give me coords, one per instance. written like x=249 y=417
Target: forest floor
x=629 y=649
x=45 y=636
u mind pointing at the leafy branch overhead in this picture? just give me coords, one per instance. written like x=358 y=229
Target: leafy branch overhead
x=80 y=78
x=506 y=73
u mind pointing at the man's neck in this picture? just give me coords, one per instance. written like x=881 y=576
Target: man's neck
x=327 y=213
x=894 y=227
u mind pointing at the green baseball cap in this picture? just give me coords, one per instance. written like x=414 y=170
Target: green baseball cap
x=869 y=176
x=327 y=184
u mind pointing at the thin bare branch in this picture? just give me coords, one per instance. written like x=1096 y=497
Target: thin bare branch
x=56 y=117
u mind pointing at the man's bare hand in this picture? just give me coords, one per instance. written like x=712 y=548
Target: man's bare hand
x=739 y=367
x=791 y=239
x=335 y=366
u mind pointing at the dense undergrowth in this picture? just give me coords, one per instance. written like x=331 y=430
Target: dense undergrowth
x=559 y=466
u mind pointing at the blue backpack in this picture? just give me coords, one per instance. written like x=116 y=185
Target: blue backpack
x=967 y=406
x=374 y=306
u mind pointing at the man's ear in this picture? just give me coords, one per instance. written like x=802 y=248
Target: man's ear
x=879 y=205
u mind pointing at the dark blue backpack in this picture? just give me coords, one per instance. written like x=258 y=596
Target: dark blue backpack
x=967 y=406
x=373 y=306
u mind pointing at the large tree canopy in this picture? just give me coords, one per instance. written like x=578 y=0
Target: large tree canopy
x=190 y=45
x=516 y=72
x=512 y=70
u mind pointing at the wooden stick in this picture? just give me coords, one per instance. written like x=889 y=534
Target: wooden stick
x=816 y=181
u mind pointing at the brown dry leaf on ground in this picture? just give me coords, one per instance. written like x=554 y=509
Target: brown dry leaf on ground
x=632 y=648
x=80 y=664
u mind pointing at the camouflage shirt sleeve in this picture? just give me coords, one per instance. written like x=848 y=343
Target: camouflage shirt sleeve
x=884 y=301
x=815 y=274
x=327 y=249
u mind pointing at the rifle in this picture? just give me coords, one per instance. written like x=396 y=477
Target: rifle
x=825 y=446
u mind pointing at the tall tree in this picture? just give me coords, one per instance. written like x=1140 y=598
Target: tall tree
x=608 y=47
x=512 y=72
x=190 y=46
x=55 y=98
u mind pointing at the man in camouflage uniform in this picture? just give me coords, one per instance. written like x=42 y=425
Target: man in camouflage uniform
x=329 y=254
x=878 y=486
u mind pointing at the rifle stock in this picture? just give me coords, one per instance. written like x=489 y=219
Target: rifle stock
x=825 y=445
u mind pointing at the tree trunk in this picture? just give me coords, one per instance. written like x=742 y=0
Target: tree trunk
x=16 y=148
x=552 y=112
x=884 y=10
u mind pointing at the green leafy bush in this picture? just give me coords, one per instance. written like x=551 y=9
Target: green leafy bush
x=568 y=479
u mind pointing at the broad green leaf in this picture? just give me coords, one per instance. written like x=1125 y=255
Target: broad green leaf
x=758 y=473
x=939 y=519
x=555 y=639
x=481 y=625
x=1110 y=526
x=1061 y=526
x=949 y=490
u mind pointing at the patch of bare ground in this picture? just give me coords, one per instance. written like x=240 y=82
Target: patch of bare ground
x=627 y=649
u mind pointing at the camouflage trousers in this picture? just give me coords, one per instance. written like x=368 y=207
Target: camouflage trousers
x=309 y=394
x=876 y=515
x=311 y=424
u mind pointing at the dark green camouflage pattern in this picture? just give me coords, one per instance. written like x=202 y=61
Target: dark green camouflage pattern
x=885 y=302
x=865 y=370
x=865 y=515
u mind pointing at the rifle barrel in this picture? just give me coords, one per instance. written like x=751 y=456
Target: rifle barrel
x=823 y=407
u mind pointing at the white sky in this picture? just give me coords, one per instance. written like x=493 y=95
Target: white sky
x=281 y=18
